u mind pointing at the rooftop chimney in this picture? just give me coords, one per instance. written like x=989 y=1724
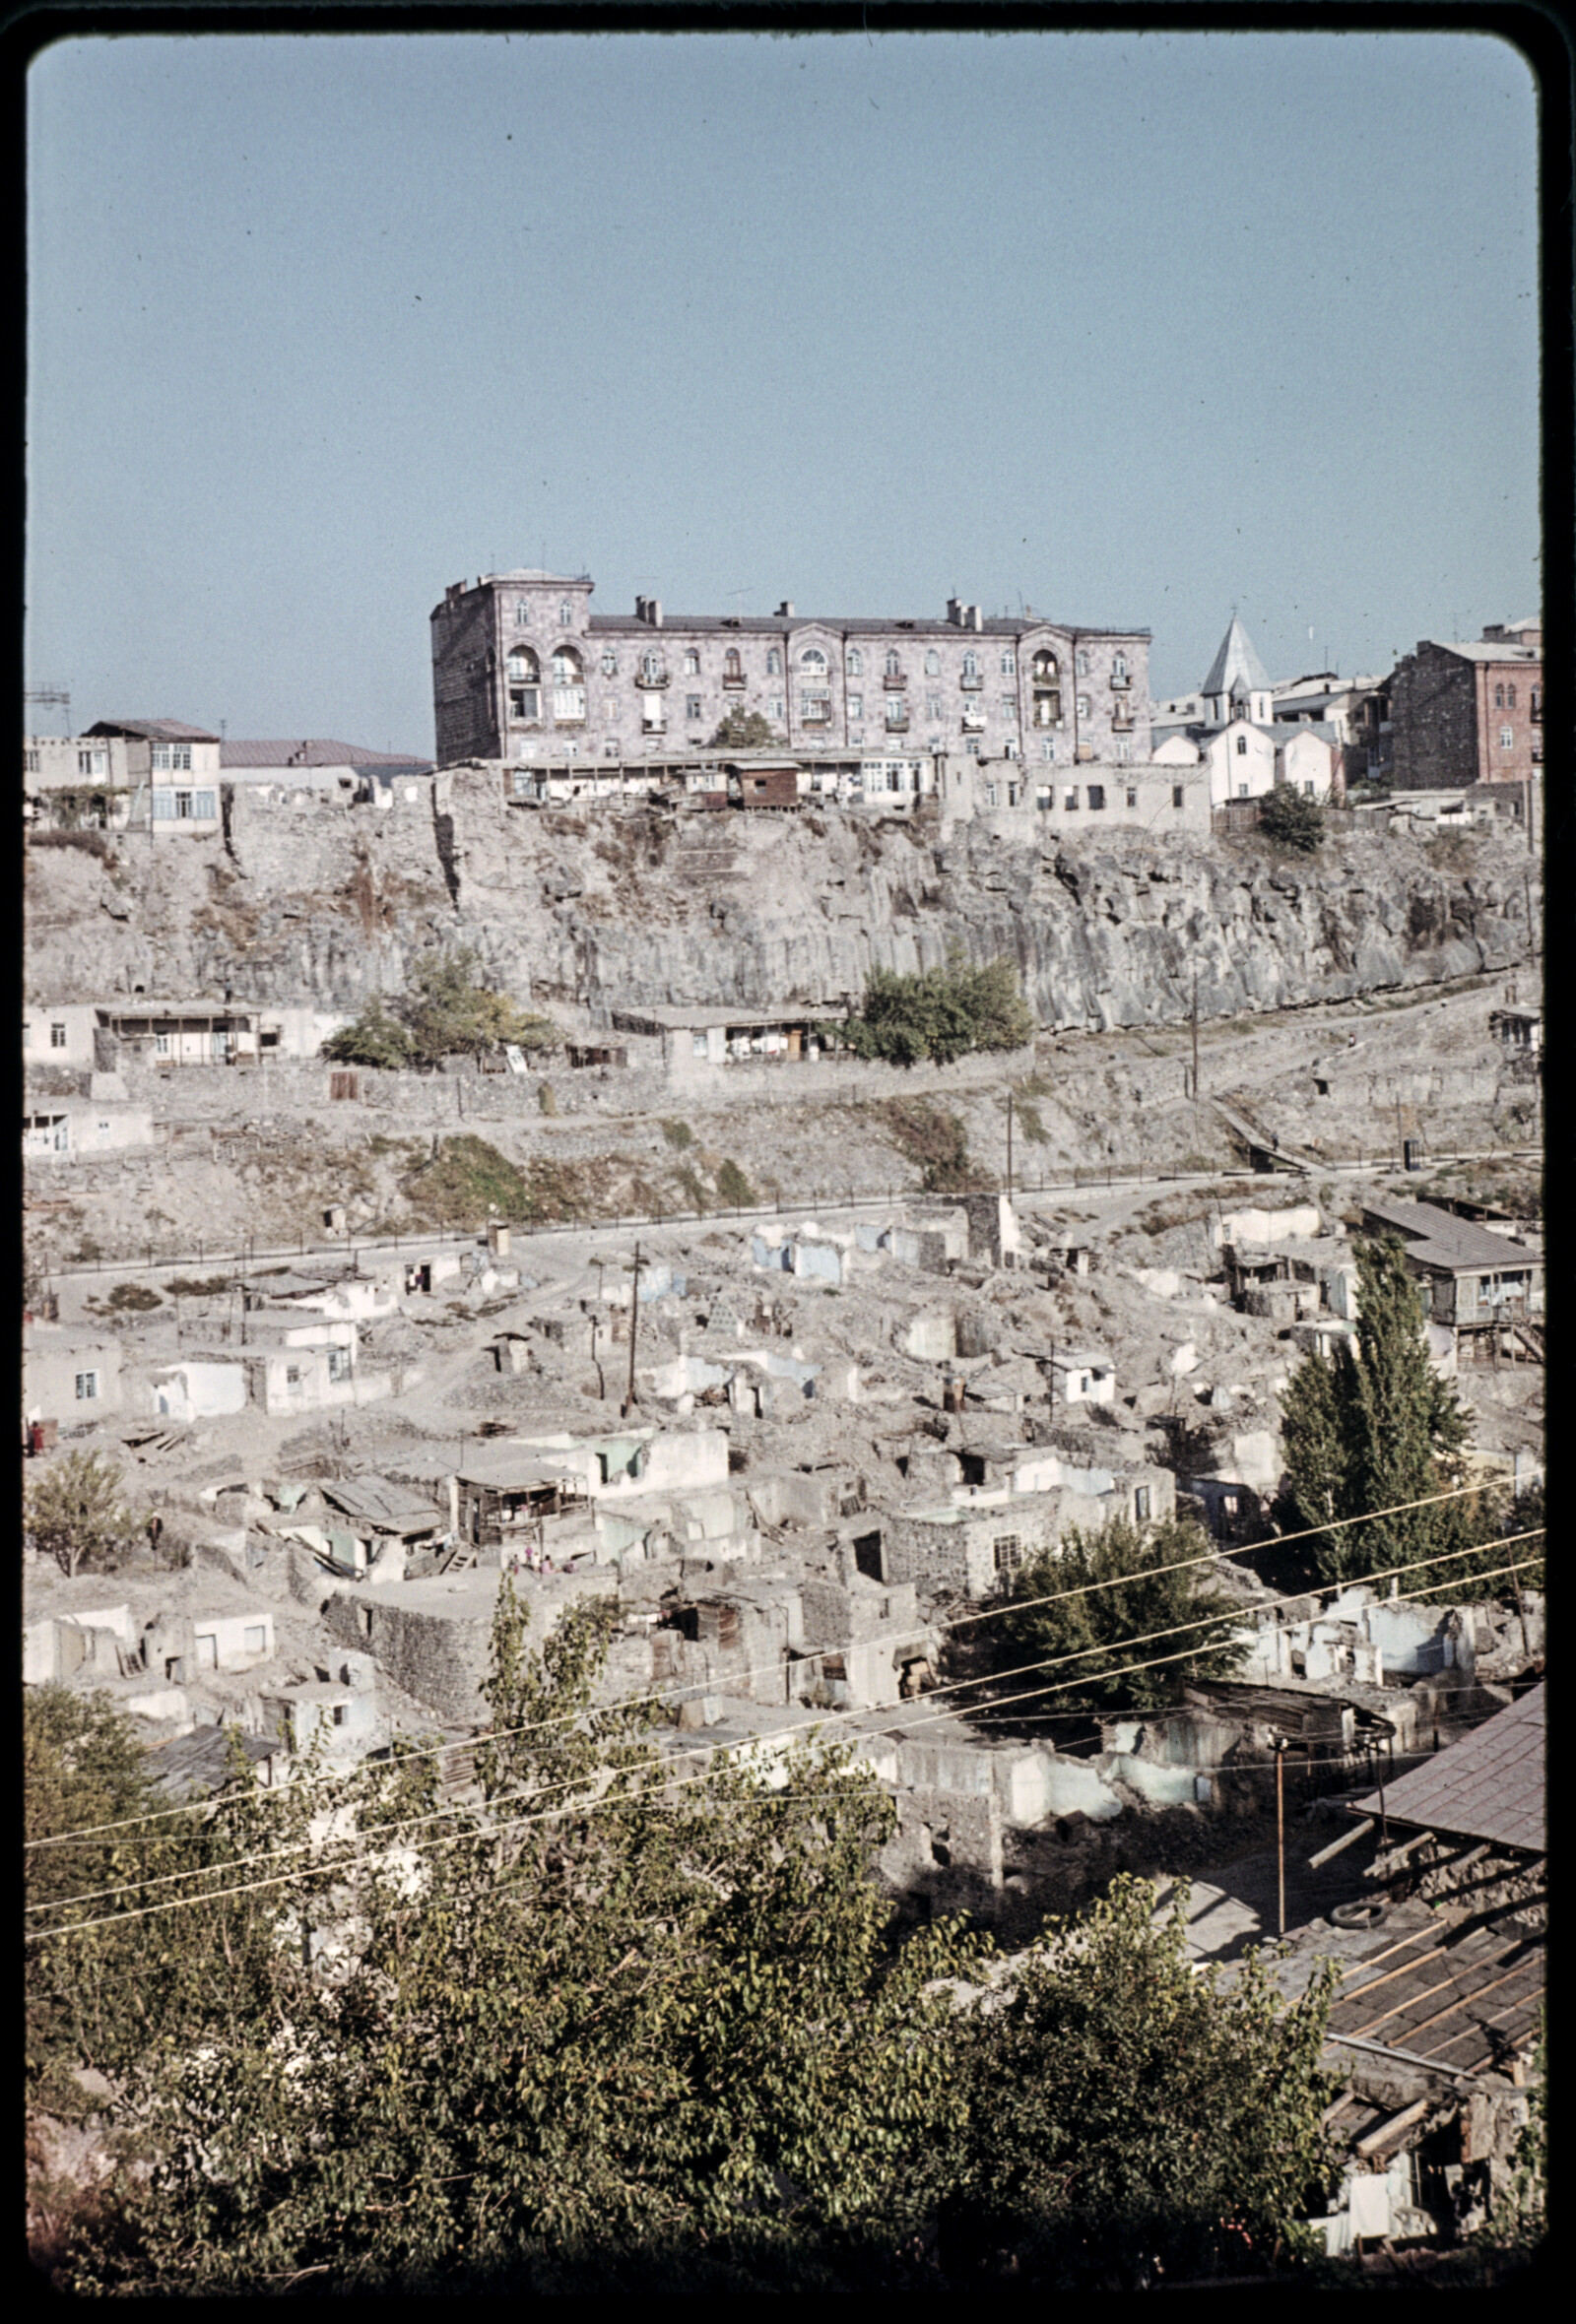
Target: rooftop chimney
x=649 y=609
x=954 y=611
x=785 y=611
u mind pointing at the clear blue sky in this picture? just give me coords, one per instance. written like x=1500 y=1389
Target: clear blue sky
x=1130 y=328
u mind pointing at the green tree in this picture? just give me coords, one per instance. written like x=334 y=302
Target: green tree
x=449 y=1011
x=745 y=730
x=1128 y=2108
x=76 y=1514
x=1292 y=818
x=941 y=1013
x=593 y=2011
x=375 y=1038
x=1132 y=1597
x=1374 y=1429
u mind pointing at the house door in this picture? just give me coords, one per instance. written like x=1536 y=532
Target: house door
x=867 y=1556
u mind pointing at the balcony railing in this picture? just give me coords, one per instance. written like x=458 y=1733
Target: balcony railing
x=1120 y=681
x=653 y=677
x=896 y=726
x=972 y=685
x=734 y=678
x=893 y=677
x=1121 y=719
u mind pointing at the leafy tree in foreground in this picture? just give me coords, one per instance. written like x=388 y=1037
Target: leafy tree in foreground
x=1126 y=2108
x=941 y=1013
x=76 y=1514
x=375 y=1038
x=1133 y=1598
x=1292 y=817
x=1374 y=1429
x=745 y=730
x=447 y=1012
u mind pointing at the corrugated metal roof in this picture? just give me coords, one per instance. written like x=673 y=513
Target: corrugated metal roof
x=1440 y=1239
x=199 y=1763
x=1466 y=1998
x=378 y=1501
x=1487 y=1786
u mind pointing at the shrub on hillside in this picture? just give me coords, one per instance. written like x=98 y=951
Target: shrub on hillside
x=1292 y=818
x=942 y=1013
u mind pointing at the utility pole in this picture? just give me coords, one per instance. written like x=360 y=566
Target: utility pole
x=1009 y=1145
x=1194 y=1037
x=1280 y=1831
x=631 y=1399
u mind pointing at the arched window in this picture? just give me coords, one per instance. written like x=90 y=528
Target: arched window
x=1499 y=697
x=522 y=612
x=854 y=663
x=569 y=685
x=610 y=663
x=933 y=663
x=566 y=614
x=1083 y=666
x=812 y=662
x=731 y=667
x=1510 y=698
x=691 y=662
x=1045 y=667
x=773 y=663
x=1242 y=746
x=971 y=664
x=650 y=665
x=893 y=666
x=1009 y=663
x=521 y=667
x=1119 y=664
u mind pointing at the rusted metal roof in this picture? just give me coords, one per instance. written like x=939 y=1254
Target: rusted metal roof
x=1487 y=1786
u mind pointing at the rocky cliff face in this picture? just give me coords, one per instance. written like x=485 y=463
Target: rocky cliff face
x=324 y=905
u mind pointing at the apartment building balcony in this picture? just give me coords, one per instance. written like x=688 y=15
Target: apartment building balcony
x=734 y=678
x=1121 y=719
x=1047 y=710
x=896 y=725
x=973 y=721
x=653 y=677
x=972 y=685
x=1085 y=752
x=894 y=678
x=1120 y=681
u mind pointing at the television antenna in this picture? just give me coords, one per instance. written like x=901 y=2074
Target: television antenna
x=51 y=695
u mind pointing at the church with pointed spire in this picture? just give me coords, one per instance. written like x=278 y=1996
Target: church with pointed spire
x=1230 y=726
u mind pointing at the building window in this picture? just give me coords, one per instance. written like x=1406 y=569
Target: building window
x=1008 y=706
x=87 y=1388
x=691 y=662
x=1242 y=746
x=1119 y=664
x=1008 y=662
x=1307 y=790
x=522 y=612
x=1141 y=1502
x=338 y=1363
x=856 y=705
x=206 y=1650
x=1499 y=697
x=1124 y=754
x=1096 y=795
x=292 y=1376
x=732 y=667
x=697 y=1044
x=172 y=758
x=255 y=1637
x=1132 y=795
x=691 y=705
x=812 y=662
x=932 y=662
x=1045 y=798
x=1507 y=739
x=1242 y=790
x=57 y=1036
x=773 y=663
x=92 y=762
x=854 y=663
x=29 y=763
x=1176 y=794
x=1048 y=752
x=1510 y=698
x=566 y=614
x=161 y=1045
x=525 y=702
x=610 y=663
x=1007 y=1550
x=1534 y=710
x=933 y=705
x=1069 y=802
x=521 y=667
x=1082 y=665
x=609 y=707
x=777 y=707
x=972 y=747
x=990 y=795
x=340 y=1715
x=897 y=710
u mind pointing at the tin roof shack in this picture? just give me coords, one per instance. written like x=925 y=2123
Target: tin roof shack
x=1281 y=1282
x=59 y=1129
x=396 y=1532
x=762 y=782
x=1487 y=1287
x=1081 y=1376
x=702 y=1035
x=506 y=1495
x=172 y=1033
x=68 y=1376
x=1489 y=1788
x=433 y=1639
x=339 y=1704
x=195 y=1766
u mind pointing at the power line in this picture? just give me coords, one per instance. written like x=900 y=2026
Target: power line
x=679 y=1692
x=651 y=1765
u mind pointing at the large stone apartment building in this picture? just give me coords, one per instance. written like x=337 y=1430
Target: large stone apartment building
x=523 y=669
x=1473 y=713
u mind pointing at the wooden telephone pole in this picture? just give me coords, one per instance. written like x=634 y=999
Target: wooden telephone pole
x=1009 y=1145
x=1194 y=1037
x=631 y=1400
